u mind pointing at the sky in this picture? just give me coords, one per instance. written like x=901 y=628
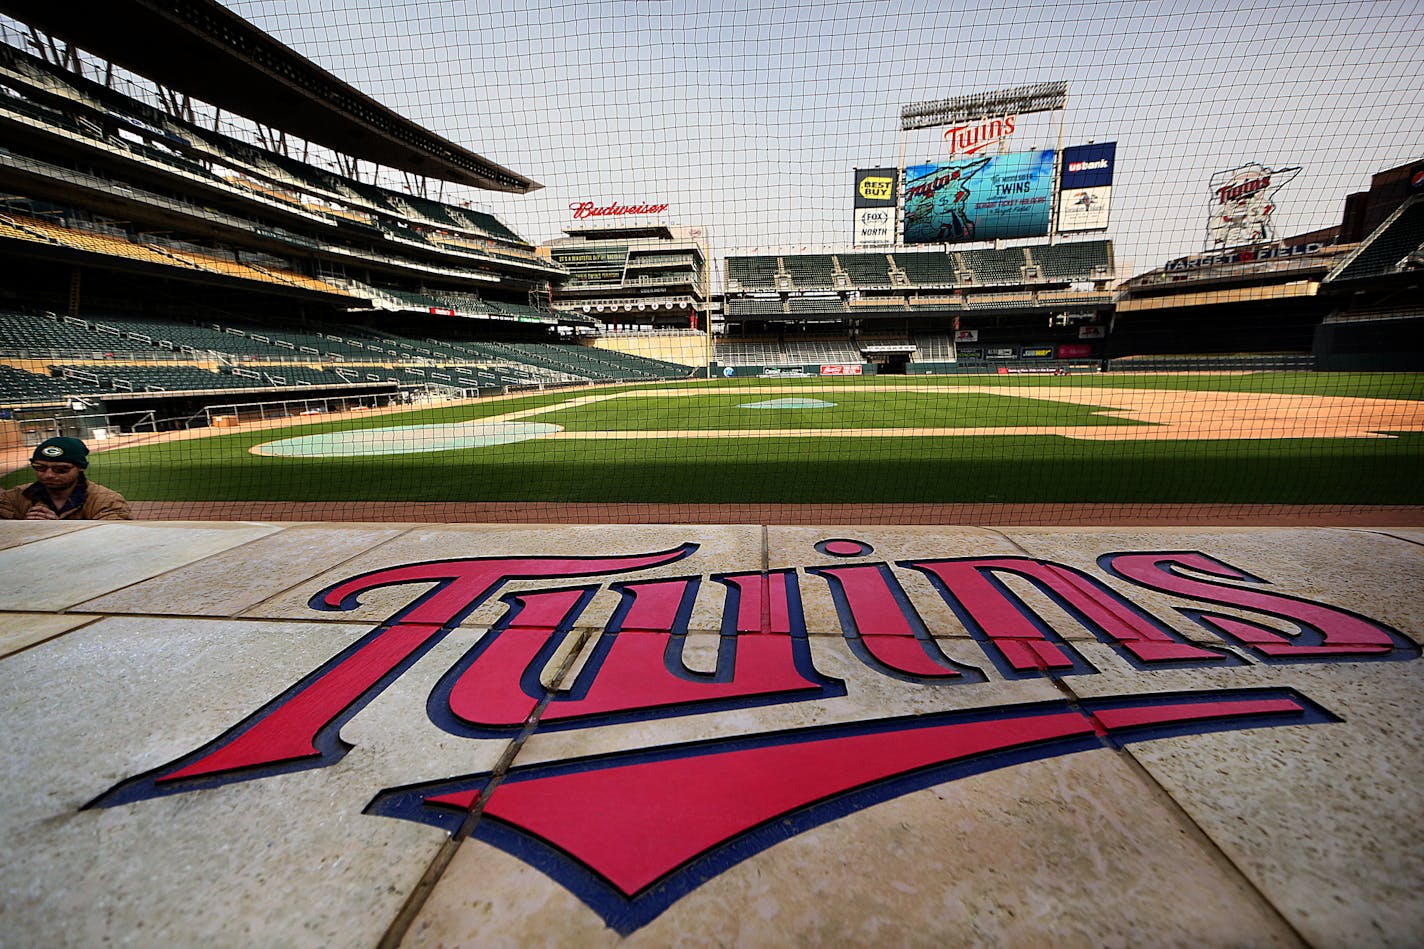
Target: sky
x=749 y=118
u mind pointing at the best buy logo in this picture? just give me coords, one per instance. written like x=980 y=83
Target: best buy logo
x=876 y=189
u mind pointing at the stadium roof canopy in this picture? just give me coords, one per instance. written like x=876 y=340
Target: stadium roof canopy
x=205 y=50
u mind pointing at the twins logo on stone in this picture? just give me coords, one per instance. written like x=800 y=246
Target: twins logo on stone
x=631 y=832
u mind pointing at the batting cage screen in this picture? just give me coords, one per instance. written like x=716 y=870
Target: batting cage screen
x=643 y=262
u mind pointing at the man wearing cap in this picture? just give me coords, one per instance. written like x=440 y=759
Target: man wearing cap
x=60 y=490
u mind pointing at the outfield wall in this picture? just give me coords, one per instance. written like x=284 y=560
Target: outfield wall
x=796 y=370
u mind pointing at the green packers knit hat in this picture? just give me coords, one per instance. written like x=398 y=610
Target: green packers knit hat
x=62 y=449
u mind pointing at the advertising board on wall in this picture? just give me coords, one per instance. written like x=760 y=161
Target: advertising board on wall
x=875 y=197
x=874 y=226
x=604 y=264
x=875 y=187
x=979 y=199
x=1244 y=255
x=1085 y=187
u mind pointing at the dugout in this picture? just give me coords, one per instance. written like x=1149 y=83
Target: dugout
x=170 y=411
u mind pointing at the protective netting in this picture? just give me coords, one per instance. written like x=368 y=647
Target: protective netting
x=823 y=262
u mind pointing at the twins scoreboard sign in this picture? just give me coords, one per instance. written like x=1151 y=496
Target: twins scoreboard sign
x=631 y=832
x=983 y=198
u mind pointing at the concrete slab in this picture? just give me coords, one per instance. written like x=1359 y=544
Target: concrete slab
x=1000 y=859
x=1405 y=533
x=88 y=712
x=70 y=567
x=234 y=580
x=15 y=533
x=708 y=550
x=19 y=630
x=1343 y=567
x=863 y=545
x=834 y=685
x=1013 y=743
x=1340 y=567
x=1323 y=819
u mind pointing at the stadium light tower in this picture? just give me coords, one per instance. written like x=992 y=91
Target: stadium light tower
x=1020 y=100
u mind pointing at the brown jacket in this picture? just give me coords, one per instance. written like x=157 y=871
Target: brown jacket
x=99 y=504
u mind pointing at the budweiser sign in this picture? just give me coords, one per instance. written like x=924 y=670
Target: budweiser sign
x=969 y=139
x=587 y=209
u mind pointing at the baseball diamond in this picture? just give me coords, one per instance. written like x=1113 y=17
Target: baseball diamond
x=1283 y=439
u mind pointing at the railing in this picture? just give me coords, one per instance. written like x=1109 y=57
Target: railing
x=233 y=413
x=650 y=331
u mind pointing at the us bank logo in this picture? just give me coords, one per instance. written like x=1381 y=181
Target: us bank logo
x=631 y=832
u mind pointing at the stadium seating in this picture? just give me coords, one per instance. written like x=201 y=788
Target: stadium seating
x=926 y=268
x=147 y=250
x=482 y=221
x=154 y=164
x=756 y=306
x=130 y=378
x=1085 y=298
x=753 y=273
x=816 y=304
x=25 y=333
x=810 y=271
x=93 y=380
x=748 y=352
x=456 y=300
x=273 y=180
x=791 y=352
x=1389 y=247
x=999 y=301
x=1259 y=362
x=866 y=270
x=992 y=267
x=1080 y=261
x=432 y=211
x=823 y=351
x=933 y=347
x=18 y=386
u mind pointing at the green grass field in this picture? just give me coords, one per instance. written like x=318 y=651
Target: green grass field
x=863 y=409
x=752 y=462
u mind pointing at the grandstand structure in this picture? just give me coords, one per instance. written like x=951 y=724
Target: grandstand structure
x=167 y=264
x=1036 y=307
x=1344 y=297
x=633 y=276
x=1377 y=295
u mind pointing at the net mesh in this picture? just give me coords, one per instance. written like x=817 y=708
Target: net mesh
x=1186 y=289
